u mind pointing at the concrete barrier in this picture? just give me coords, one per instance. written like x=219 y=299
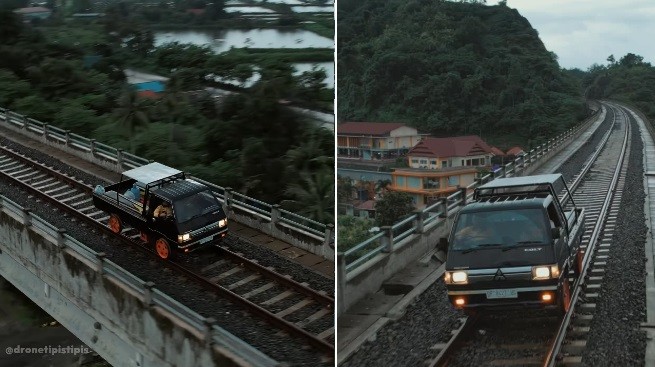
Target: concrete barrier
x=125 y=320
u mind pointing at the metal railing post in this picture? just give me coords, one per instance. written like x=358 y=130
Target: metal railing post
x=209 y=330
x=419 y=221
x=462 y=192
x=119 y=157
x=100 y=257
x=61 y=239
x=275 y=213
x=228 y=197
x=92 y=146
x=67 y=136
x=27 y=219
x=387 y=239
x=45 y=131
x=329 y=231
x=341 y=267
x=147 y=294
x=444 y=208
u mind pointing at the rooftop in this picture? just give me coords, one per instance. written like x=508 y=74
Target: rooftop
x=368 y=128
x=458 y=146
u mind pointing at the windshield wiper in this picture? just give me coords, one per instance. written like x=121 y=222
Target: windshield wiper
x=480 y=246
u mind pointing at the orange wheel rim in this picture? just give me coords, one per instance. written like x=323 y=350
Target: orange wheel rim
x=114 y=224
x=162 y=249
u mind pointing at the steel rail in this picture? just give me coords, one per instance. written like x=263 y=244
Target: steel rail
x=553 y=352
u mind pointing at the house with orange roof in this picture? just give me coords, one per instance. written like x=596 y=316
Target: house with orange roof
x=440 y=166
x=375 y=140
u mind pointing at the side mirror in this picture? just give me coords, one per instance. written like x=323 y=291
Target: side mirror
x=554 y=233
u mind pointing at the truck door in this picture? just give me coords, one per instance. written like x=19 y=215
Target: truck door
x=161 y=216
x=557 y=222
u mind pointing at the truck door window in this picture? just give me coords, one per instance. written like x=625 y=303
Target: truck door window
x=553 y=216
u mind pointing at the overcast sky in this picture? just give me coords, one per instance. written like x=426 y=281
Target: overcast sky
x=584 y=32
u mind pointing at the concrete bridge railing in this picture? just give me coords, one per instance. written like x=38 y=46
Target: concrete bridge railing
x=310 y=235
x=126 y=320
x=362 y=269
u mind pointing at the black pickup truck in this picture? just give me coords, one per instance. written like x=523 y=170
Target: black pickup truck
x=515 y=244
x=171 y=212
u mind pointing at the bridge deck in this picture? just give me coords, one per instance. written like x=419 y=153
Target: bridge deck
x=295 y=254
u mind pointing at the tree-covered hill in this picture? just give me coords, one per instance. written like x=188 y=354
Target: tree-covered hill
x=451 y=68
x=629 y=79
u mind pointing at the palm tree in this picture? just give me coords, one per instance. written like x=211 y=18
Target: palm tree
x=310 y=156
x=132 y=113
x=314 y=195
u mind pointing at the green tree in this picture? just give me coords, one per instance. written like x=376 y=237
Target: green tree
x=132 y=114
x=12 y=88
x=78 y=118
x=352 y=231
x=392 y=207
x=313 y=195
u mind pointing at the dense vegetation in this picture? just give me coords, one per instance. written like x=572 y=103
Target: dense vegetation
x=629 y=79
x=452 y=68
x=247 y=141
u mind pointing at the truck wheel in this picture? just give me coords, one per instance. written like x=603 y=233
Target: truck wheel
x=163 y=249
x=115 y=223
x=565 y=297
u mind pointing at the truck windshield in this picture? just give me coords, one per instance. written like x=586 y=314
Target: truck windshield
x=500 y=229
x=195 y=206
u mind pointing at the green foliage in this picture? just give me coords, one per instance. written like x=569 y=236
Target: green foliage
x=248 y=141
x=79 y=119
x=12 y=88
x=313 y=195
x=451 y=68
x=352 y=231
x=630 y=80
x=392 y=207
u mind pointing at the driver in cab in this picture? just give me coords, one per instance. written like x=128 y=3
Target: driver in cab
x=164 y=210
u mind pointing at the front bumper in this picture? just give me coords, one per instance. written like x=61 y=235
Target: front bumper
x=206 y=241
x=520 y=297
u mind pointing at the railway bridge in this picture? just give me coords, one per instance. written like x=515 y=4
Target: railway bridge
x=48 y=254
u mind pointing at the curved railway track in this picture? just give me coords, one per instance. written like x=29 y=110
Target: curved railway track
x=293 y=307
x=535 y=338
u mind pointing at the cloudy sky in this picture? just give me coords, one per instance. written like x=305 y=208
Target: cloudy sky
x=584 y=32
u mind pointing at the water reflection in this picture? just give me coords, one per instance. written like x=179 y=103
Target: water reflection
x=222 y=40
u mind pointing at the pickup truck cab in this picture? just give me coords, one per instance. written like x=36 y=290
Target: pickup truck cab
x=171 y=212
x=515 y=244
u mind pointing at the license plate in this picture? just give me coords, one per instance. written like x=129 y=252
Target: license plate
x=206 y=239
x=502 y=293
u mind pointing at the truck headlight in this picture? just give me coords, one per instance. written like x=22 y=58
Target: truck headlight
x=222 y=222
x=455 y=277
x=183 y=237
x=545 y=272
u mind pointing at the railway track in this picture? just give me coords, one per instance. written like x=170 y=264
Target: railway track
x=291 y=306
x=536 y=338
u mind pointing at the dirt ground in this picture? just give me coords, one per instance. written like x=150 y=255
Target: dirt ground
x=24 y=325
